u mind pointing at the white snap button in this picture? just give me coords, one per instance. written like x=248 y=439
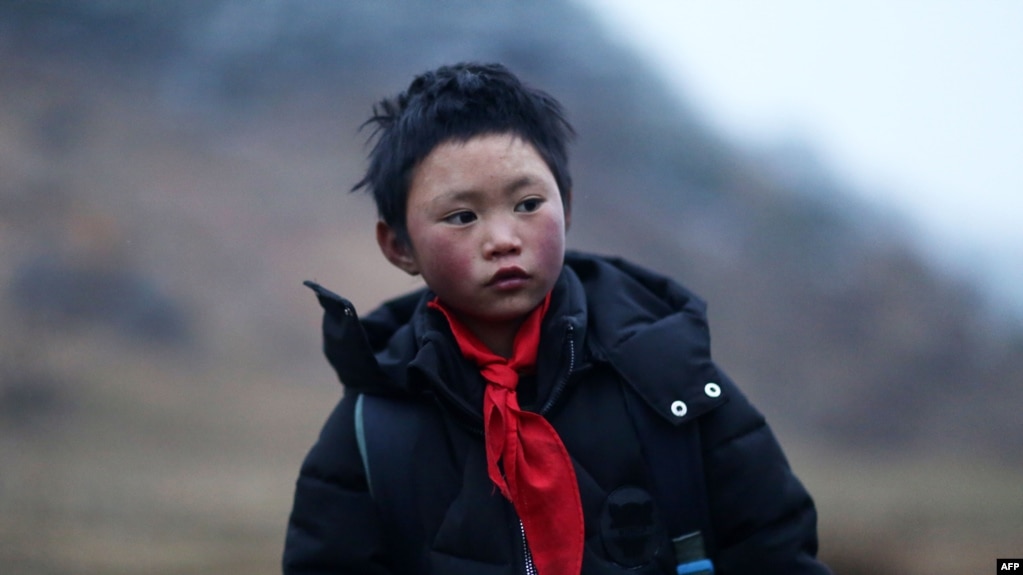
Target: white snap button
x=678 y=408
x=712 y=390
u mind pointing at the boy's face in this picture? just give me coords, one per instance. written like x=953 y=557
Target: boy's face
x=486 y=227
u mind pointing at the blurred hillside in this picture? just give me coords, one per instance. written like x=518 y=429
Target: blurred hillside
x=170 y=173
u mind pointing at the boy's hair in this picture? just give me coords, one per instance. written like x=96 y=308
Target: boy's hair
x=458 y=103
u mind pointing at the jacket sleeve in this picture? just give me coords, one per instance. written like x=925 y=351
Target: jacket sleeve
x=764 y=520
x=334 y=526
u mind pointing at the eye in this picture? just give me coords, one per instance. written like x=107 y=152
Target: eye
x=529 y=205
x=460 y=218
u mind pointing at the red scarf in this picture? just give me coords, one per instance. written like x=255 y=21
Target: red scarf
x=538 y=475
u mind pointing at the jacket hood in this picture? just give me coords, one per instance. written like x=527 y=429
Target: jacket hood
x=654 y=332
x=366 y=353
x=635 y=319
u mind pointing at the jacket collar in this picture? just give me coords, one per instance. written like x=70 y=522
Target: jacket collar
x=651 y=330
x=438 y=366
x=404 y=347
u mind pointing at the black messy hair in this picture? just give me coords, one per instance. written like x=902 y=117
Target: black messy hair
x=458 y=103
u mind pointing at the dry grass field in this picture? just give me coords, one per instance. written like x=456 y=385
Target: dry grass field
x=139 y=465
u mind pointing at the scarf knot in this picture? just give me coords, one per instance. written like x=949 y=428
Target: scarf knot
x=501 y=375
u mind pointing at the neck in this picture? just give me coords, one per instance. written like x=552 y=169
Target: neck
x=499 y=337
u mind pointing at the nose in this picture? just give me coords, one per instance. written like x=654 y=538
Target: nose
x=502 y=239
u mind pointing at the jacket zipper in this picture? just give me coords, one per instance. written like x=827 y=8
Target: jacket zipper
x=526 y=554
x=563 y=383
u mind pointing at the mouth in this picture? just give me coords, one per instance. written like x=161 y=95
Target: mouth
x=508 y=278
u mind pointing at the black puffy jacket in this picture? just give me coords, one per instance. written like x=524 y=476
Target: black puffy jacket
x=612 y=329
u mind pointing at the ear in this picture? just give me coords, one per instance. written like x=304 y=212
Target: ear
x=395 y=250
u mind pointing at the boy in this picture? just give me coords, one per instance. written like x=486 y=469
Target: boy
x=539 y=412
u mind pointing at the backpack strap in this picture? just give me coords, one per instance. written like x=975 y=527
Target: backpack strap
x=675 y=460
x=360 y=438
x=386 y=430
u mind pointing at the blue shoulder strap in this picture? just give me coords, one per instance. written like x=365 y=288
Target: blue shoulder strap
x=675 y=459
x=386 y=430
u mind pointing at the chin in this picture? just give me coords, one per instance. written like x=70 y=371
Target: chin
x=513 y=312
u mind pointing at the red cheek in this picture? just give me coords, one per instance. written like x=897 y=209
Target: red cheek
x=550 y=241
x=448 y=259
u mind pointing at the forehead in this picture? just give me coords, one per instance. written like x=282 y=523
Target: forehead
x=457 y=165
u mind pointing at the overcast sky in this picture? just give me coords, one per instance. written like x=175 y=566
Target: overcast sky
x=919 y=104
